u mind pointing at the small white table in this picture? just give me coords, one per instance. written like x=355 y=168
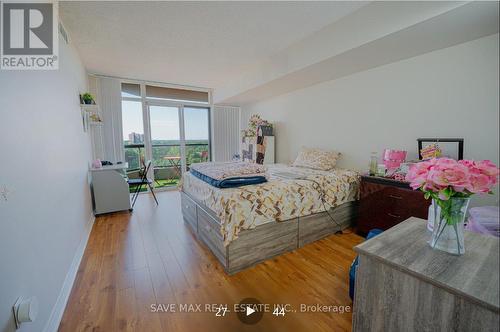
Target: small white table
x=110 y=190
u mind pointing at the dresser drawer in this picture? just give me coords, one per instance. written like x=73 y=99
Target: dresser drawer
x=209 y=232
x=407 y=203
x=189 y=213
x=384 y=204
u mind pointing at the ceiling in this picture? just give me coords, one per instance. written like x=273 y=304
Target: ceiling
x=203 y=44
x=345 y=48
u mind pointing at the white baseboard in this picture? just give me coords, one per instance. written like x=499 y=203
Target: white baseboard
x=58 y=309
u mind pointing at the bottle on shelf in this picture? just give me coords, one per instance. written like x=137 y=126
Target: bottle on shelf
x=373 y=163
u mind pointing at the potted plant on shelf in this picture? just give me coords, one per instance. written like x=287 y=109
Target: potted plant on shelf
x=450 y=184
x=88 y=99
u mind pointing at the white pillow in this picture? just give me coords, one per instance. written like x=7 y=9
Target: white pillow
x=317 y=159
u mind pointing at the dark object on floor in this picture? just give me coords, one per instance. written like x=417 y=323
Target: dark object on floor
x=142 y=181
x=354 y=265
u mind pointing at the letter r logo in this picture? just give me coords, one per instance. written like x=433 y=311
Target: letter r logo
x=27 y=28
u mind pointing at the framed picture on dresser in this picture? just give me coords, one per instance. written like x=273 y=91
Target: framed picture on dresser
x=449 y=147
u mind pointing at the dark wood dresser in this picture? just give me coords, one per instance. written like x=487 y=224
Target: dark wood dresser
x=386 y=202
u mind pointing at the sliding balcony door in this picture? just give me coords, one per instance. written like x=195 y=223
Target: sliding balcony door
x=178 y=137
x=165 y=148
x=169 y=126
x=196 y=134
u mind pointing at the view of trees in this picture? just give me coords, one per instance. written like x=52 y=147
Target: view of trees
x=196 y=151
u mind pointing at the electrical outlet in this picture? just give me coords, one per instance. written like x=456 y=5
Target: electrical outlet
x=25 y=310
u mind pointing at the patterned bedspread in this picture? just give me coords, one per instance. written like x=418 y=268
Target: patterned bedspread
x=278 y=199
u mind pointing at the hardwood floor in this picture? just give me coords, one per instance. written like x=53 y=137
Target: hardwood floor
x=150 y=257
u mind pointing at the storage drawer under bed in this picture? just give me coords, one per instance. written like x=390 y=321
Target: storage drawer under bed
x=209 y=232
x=189 y=212
x=262 y=242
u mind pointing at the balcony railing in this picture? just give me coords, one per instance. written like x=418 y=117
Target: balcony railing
x=166 y=160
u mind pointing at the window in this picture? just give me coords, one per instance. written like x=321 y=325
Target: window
x=176 y=134
x=133 y=133
x=130 y=90
x=179 y=95
x=196 y=134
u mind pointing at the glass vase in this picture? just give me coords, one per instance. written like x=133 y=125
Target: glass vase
x=448 y=231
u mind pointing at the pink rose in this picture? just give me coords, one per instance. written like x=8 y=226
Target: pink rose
x=484 y=175
x=445 y=162
x=417 y=174
x=479 y=183
x=468 y=163
x=488 y=168
x=448 y=172
x=464 y=176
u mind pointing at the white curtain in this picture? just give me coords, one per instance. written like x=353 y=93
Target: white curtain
x=226 y=132
x=107 y=140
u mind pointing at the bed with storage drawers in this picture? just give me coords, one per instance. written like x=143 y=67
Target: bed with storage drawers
x=247 y=225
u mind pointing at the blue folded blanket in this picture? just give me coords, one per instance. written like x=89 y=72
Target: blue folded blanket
x=230 y=182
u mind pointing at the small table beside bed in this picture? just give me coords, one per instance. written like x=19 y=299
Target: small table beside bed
x=245 y=225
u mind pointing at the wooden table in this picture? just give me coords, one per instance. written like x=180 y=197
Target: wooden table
x=402 y=284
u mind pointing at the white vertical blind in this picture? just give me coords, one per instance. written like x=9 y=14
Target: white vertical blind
x=226 y=132
x=96 y=132
x=111 y=108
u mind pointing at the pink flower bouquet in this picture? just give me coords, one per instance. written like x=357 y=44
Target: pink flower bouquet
x=450 y=183
x=443 y=178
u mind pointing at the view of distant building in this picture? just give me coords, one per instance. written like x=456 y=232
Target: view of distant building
x=135 y=138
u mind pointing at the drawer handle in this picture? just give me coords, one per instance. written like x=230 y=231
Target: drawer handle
x=187 y=206
x=395 y=197
x=393 y=215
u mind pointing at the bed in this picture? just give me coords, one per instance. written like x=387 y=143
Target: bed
x=247 y=225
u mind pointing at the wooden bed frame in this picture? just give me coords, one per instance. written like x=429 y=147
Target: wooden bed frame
x=264 y=241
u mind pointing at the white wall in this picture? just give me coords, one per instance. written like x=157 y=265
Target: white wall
x=44 y=156
x=451 y=92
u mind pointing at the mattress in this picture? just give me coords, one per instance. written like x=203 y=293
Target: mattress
x=229 y=174
x=290 y=192
x=232 y=182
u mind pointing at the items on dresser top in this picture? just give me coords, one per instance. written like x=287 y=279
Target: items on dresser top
x=373 y=163
x=394 y=158
x=393 y=164
x=429 y=148
x=386 y=202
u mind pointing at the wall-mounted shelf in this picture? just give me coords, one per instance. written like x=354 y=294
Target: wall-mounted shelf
x=89 y=107
x=90 y=113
